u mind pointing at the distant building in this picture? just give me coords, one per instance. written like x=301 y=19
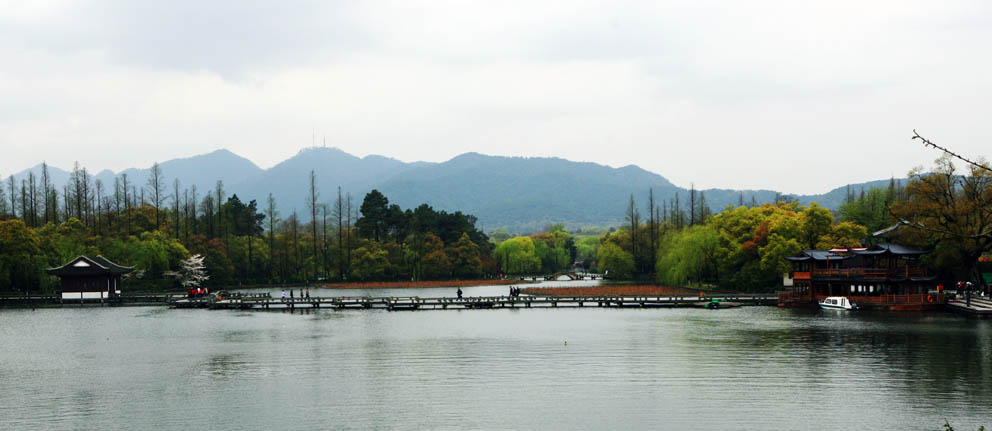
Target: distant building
x=89 y=278
x=884 y=276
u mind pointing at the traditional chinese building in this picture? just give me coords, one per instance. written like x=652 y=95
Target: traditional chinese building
x=883 y=276
x=89 y=278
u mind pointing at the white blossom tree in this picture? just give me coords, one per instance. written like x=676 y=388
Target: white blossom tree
x=191 y=272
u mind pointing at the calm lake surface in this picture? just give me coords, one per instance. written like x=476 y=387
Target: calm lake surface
x=746 y=368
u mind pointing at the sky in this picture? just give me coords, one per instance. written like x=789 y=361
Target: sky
x=794 y=96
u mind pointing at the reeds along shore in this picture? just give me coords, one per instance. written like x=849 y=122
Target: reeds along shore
x=617 y=290
x=417 y=284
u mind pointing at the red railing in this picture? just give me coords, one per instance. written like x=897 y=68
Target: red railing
x=880 y=299
x=788 y=296
x=890 y=299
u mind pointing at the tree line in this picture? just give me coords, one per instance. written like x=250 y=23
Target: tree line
x=677 y=241
x=742 y=248
x=154 y=226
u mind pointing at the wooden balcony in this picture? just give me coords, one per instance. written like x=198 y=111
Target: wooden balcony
x=869 y=273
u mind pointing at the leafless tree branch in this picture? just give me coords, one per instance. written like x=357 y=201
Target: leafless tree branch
x=929 y=143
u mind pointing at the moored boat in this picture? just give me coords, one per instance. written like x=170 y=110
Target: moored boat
x=837 y=303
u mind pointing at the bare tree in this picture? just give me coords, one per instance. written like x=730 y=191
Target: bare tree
x=219 y=192
x=348 y=245
x=87 y=198
x=4 y=211
x=13 y=196
x=98 y=201
x=207 y=207
x=156 y=190
x=273 y=216
x=634 y=218
x=692 y=204
x=312 y=205
x=294 y=225
x=25 y=205
x=193 y=218
x=928 y=143
x=66 y=205
x=32 y=213
x=323 y=241
x=175 y=205
x=338 y=213
x=46 y=187
x=652 y=227
x=127 y=204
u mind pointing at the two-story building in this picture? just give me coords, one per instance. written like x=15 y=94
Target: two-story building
x=882 y=276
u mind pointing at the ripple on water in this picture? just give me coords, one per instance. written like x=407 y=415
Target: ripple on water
x=745 y=368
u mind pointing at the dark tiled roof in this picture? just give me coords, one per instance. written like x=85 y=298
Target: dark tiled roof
x=896 y=249
x=94 y=265
x=115 y=268
x=825 y=255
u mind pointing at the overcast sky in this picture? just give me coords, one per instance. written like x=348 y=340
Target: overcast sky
x=795 y=96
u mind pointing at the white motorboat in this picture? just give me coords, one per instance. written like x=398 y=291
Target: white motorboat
x=837 y=303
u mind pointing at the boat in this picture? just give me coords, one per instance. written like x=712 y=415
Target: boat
x=837 y=303
x=717 y=303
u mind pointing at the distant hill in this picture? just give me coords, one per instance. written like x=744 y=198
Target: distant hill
x=203 y=171
x=517 y=193
x=289 y=184
x=834 y=198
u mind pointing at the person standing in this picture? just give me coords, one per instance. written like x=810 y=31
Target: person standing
x=459 y=293
x=284 y=295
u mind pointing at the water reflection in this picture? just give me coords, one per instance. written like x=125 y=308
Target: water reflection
x=742 y=368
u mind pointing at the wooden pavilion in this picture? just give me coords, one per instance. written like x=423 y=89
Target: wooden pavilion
x=883 y=276
x=89 y=278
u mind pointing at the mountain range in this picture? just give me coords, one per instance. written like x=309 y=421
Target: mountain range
x=520 y=194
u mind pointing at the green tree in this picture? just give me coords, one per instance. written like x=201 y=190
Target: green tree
x=586 y=249
x=516 y=256
x=870 y=209
x=19 y=265
x=691 y=255
x=814 y=222
x=369 y=262
x=465 y=260
x=375 y=215
x=614 y=262
x=951 y=212
x=435 y=263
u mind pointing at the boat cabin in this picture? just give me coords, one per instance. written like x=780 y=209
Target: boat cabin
x=89 y=278
x=885 y=275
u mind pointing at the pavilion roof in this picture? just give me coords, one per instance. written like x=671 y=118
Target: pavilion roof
x=84 y=265
x=817 y=255
x=896 y=249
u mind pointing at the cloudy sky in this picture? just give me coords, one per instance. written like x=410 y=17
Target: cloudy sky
x=794 y=96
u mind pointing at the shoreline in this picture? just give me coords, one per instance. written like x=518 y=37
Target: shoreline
x=417 y=284
x=612 y=290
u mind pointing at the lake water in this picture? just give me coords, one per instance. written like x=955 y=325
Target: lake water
x=746 y=368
